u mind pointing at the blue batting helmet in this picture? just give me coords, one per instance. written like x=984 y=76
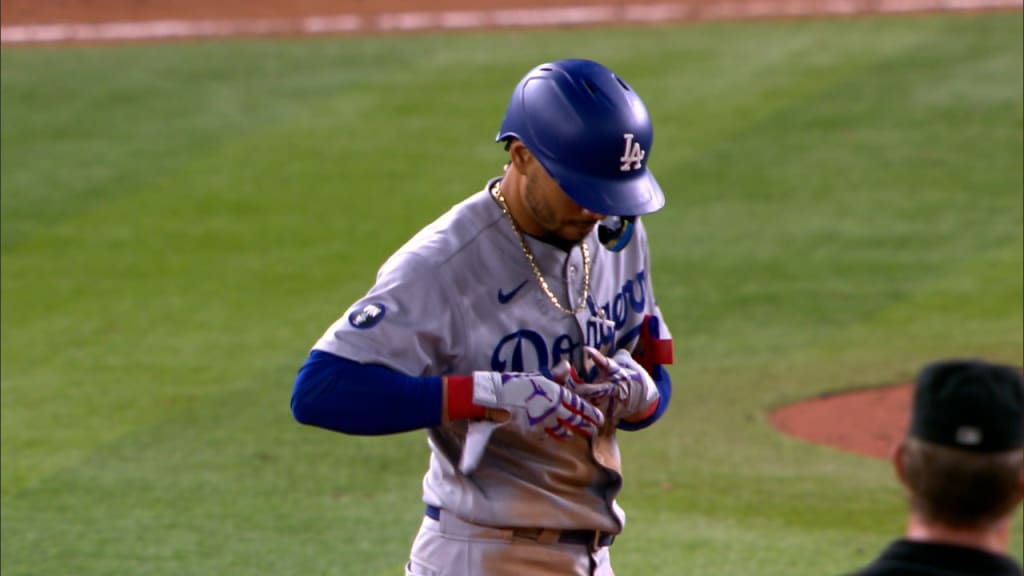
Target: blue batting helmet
x=590 y=131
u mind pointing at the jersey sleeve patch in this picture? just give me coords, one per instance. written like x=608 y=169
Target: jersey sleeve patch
x=367 y=317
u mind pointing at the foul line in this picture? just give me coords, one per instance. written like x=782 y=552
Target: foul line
x=477 y=19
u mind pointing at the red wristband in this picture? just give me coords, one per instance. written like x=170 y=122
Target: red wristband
x=645 y=414
x=458 y=399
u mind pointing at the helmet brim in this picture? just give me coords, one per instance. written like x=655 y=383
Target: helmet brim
x=636 y=196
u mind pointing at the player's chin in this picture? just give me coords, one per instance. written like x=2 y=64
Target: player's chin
x=576 y=231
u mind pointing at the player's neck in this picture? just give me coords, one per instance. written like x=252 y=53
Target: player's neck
x=511 y=187
x=993 y=539
x=511 y=190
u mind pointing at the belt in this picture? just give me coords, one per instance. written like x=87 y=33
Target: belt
x=593 y=539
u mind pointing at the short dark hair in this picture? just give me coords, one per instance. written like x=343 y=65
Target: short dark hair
x=959 y=488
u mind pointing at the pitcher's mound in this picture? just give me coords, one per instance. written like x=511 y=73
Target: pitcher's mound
x=867 y=422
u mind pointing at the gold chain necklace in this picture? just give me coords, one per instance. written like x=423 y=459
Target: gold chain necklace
x=496 y=192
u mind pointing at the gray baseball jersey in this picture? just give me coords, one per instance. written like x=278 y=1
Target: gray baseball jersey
x=460 y=296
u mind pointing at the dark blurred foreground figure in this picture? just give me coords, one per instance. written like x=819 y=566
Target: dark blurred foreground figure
x=962 y=464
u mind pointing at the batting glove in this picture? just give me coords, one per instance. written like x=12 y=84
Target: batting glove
x=622 y=386
x=538 y=402
x=531 y=402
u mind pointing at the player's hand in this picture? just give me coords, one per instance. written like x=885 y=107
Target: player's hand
x=534 y=403
x=538 y=402
x=622 y=386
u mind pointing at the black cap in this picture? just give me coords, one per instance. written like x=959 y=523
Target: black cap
x=969 y=404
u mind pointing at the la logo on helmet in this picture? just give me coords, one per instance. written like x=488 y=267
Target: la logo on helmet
x=632 y=156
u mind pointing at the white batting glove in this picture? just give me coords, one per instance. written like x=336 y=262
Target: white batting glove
x=626 y=387
x=533 y=403
x=538 y=402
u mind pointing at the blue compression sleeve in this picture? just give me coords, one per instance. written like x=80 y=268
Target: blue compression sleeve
x=664 y=384
x=345 y=396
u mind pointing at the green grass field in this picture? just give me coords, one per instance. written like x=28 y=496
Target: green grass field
x=181 y=222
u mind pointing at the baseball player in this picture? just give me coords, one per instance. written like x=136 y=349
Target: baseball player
x=520 y=330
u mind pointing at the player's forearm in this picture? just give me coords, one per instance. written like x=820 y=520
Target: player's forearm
x=346 y=396
x=664 y=385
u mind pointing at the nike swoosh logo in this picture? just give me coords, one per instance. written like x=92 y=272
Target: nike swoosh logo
x=503 y=298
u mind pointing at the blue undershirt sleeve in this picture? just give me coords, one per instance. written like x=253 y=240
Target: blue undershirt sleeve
x=664 y=385
x=364 y=399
